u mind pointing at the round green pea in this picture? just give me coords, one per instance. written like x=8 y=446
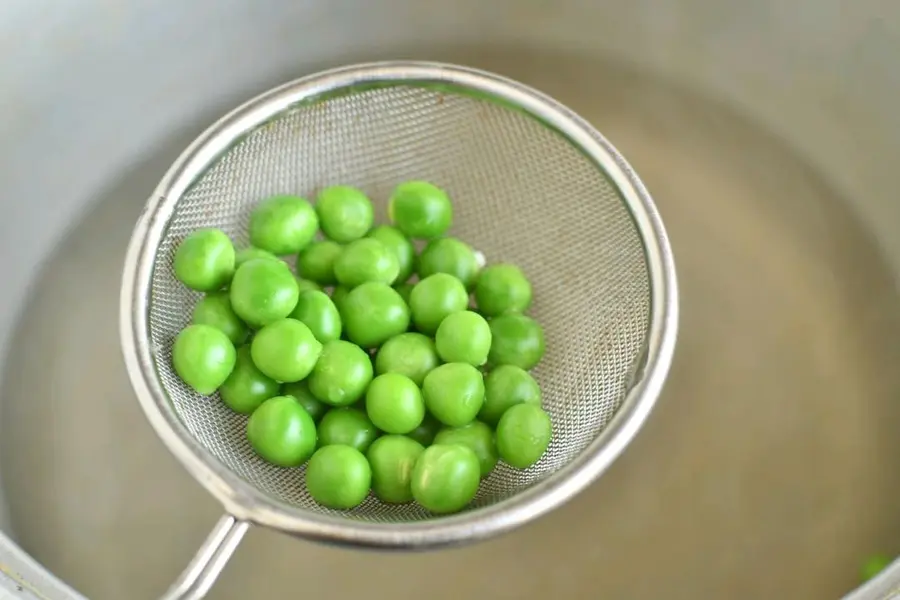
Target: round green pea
x=426 y=432
x=316 y=261
x=316 y=310
x=263 y=291
x=299 y=390
x=204 y=260
x=454 y=393
x=523 y=435
x=341 y=375
x=249 y=253
x=365 y=260
x=464 y=337
x=338 y=477
x=394 y=240
x=394 y=403
x=392 y=458
x=373 y=313
x=411 y=354
x=404 y=289
x=247 y=387
x=203 y=357
x=338 y=295
x=215 y=309
x=445 y=478
x=345 y=213
x=874 y=565
x=281 y=432
x=504 y=387
x=478 y=437
x=304 y=285
x=452 y=256
x=283 y=225
x=434 y=298
x=420 y=210
x=502 y=289
x=516 y=340
x=285 y=350
x=347 y=427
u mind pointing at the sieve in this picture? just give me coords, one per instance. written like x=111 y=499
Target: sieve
x=532 y=184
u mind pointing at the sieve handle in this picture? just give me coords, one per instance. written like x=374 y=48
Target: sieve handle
x=199 y=576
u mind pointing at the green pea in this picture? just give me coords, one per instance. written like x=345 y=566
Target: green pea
x=504 y=387
x=420 y=210
x=317 y=311
x=426 y=432
x=434 y=298
x=478 y=437
x=404 y=289
x=347 y=427
x=338 y=477
x=365 y=260
x=445 y=478
x=247 y=387
x=345 y=213
x=316 y=261
x=215 y=309
x=341 y=375
x=263 y=291
x=516 y=340
x=249 y=253
x=283 y=225
x=454 y=393
x=299 y=390
x=411 y=354
x=874 y=565
x=394 y=240
x=464 y=337
x=338 y=295
x=281 y=432
x=203 y=357
x=523 y=435
x=373 y=313
x=305 y=285
x=392 y=458
x=502 y=289
x=394 y=403
x=204 y=260
x=285 y=350
x=452 y=256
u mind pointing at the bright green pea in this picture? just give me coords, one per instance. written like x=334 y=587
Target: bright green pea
x=341 y=375
x=445 y=478
x=347 y=427
x=203 y=357
x=249 y=253
x=299 y=390
x=338 y=477
x=464 y=337
x=285 y=350
x=283 y=225
x=263 y=291
x=394 y=403
x=516 y=340
x=373 y=313
x=411 y=354
x=316 y=261
x=478 y=437
x=454 y=393
x=523 y=435
x=304 y=285
x=392 y=458
x=365 y=260
x=506 y=386
x=281 y=432
x=426 y=432
x=874 y=565
x=204 y=260
x=420 y=210
x=215 y=309
x=404 y=289
x=452 y=256
x=434 y=298
x=317 y=311
x=502 y=289
x=345 y=213
x=394 y=240
x=247 y=387
x=338 y=295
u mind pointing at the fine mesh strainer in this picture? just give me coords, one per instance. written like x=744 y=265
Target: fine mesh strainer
x=532 y=184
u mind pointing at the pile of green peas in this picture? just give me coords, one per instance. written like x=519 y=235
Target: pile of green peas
x=409 y=378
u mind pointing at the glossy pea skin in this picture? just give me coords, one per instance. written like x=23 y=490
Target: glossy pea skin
x=204 y=260
x=516 y=340
x=304 y=285
x=247 y=387
x=341 y=375
x=263 y=291
x=316 y=310
x=215 y=309
x=203 y=357
x=283 y=224
x=502 y=289
x=394 y=403
x=426 y=431
x=392 y=459
x=476 y=436
x=394 y=240
x=445 y=478
x=452 y=256
x=316 y=262
x=504 y=387
x=365 y=260
x=285 y=350
x=434 y=298
x=411 y=354
x=338 y=477
x=463 y=337
x=454 y=393
x=523 y=435
x=338 y=295
x=345 y=213
x=348 y=427
x=251 y=252
x=420 y=210
x=373 y=313
x=281 y=432
x=299 y=390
